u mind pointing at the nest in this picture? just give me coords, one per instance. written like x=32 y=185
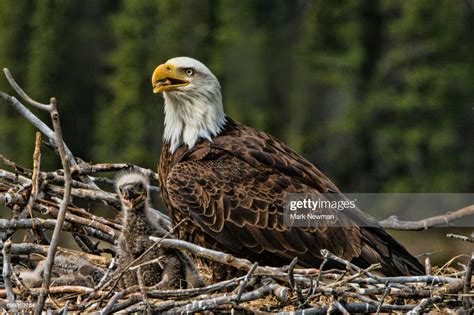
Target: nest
x=260 y=288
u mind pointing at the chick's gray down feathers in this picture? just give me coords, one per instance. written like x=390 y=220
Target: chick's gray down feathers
x=172 y=268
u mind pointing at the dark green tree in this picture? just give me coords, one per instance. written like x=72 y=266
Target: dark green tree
x=419 y=100
x=64 y=53
x=239 y=62
x=16 y=135
x=324 y=84
x=146 y=33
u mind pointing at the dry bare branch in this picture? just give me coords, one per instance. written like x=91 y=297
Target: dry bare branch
x=7 y=273
x=395 y=224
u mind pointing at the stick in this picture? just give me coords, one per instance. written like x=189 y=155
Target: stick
x=291 y=278
x=221 y=257
x=466 y=300
x=143 y=290
x=395 y=224
x=28 y=248
x=340 y=307
x=34 y=193
x=88 y=169
x=35 y=177
x=460 y=237
x=209 y=304
x=424 y=304
x=34 y=120
x=7 y=273
x=384 y=295
x=244 y=282
x=86 y=226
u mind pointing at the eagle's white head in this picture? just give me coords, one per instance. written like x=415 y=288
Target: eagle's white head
x=193 y=101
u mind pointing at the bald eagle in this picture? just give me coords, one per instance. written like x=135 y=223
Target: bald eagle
x=231 y=180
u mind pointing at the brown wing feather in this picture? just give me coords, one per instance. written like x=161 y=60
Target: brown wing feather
x=234 y=187
x=253 y=216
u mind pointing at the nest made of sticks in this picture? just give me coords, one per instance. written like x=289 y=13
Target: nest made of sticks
x=263 y=288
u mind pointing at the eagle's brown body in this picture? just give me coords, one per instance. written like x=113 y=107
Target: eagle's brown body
x=233 y=189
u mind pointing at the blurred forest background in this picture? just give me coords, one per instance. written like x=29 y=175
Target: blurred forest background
x=378 y=94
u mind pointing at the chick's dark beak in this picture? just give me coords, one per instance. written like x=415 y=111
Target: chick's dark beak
x=133 y=195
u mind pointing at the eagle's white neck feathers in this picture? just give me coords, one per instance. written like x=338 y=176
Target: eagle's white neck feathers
x=194 y=111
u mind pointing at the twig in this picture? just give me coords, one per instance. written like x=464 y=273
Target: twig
x=395 y=224
x=209 y=304
x=88 y=169
x=340 y=307
x=19 y=90
x=466 y=300
x=7 y=273
x=40 y=125
x=164 y=294
x=350 y=266
x=86 y=226
x=35 y=177
x=386 y=291
x=221 y=257
x=355 y=307
x=55 y=290
x=460 y=237
x=117 y=296
x=321 y=268
x=28 y=248
x=293 y=284
x=65 y=308
x=187 y=293
x=243 y=283
x=427 y=265
x=424 y=304
x=34 y=192
x=143 y=290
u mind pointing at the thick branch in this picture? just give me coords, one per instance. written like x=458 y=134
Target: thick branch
x=395 y=224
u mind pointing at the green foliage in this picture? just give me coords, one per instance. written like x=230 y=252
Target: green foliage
x=16 y=135
x=146 y=34
x=419 y=99
x=326 y=78
x=378 y=94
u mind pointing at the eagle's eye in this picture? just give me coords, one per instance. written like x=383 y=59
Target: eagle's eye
x=189 y=71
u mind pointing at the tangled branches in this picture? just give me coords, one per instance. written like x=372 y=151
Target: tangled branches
x=41 y=202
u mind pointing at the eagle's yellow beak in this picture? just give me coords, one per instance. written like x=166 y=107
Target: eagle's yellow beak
x=166 y=77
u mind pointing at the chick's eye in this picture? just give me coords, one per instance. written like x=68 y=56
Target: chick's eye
x=189 y=71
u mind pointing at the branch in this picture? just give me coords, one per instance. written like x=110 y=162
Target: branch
x=28 y=248
x=35 y=186
x=395 y=224
x=40 y=125
x=244 y=282
x=209 y=304
x=466 y=300
x=87 y=227
x=424 y=304
x=460 y=237
x=19 y=90
x=221 y=257
x=85 y=168
x=7 y=273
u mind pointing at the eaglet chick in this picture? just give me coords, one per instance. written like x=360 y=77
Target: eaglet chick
x=139 y=223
